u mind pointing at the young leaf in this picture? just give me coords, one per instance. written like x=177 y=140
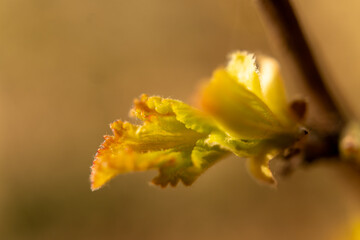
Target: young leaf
x=244 y=112
x=169 y=140
x=239 y=111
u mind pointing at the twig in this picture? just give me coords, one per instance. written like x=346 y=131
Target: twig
x=287 y=37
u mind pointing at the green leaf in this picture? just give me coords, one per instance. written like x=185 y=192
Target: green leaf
x=242 y=67
x=239 y=111
x=258 y=166
x=273 y=90
x=167 y=140
x=244 y=112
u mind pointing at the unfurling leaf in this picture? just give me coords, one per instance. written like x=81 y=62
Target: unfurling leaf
x=170 y=139
x=244 y=112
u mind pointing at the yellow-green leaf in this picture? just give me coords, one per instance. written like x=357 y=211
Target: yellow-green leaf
x=167 y=140
x=273 y=90
x=244 y=112
x=239 y=111
x=242 y=67
x=258 y=166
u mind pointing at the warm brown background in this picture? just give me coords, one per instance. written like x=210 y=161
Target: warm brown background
x=68 y=68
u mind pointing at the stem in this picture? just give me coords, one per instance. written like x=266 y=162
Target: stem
x=285 y=31
x=289 y=40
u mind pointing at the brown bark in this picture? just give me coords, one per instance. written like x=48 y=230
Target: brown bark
x=325 y=120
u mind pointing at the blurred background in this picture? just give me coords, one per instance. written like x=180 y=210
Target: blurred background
x=69 y=68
